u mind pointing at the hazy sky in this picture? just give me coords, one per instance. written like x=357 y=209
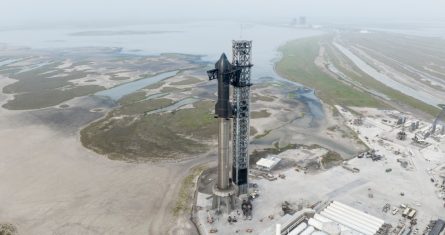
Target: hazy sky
x=27 y=12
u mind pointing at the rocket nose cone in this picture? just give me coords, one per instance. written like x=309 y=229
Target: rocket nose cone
x=222 y=64
x=223 y=56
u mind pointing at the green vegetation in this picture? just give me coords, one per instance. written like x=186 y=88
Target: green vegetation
x=132 y=98
x=38 y=88
x=118 y=78
x=8 y=229
x=259 y=114
x=170 y=89
x=266 y=132
x=257 y=97
x=47 y=98
x=128 y=134
x=297 y=64
x=142 y=107
x=43 y=82
x=186 y=191
x=188 y=81
x=331 y=159
x=155 y=85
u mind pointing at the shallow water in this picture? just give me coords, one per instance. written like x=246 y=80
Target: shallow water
x=175 y=106
x=8 y=61
x=206 y=38
x=312 y=102
x=122 y=90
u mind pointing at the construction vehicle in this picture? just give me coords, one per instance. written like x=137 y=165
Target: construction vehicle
x=412 y=213
x=406 y=212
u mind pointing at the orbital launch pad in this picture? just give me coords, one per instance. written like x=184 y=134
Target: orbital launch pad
x=236 y=75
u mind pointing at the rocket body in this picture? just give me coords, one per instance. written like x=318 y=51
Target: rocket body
x=223 y=154
x=223 y=110
x=223 y=107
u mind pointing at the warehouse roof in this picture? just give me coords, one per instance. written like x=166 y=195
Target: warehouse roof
x=437 y=228
x=268 y=162
x=350 y=218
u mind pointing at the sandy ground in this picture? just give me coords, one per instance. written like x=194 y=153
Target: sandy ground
x=351 y=188
x=291 y=122
x=50 y=184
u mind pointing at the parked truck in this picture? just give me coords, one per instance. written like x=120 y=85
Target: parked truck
x=412 y=213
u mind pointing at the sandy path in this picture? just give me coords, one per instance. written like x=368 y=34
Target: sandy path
x=51 y=184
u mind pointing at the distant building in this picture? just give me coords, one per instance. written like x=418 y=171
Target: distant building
x=302 y=20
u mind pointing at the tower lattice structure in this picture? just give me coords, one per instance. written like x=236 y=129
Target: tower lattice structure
x=241 y=51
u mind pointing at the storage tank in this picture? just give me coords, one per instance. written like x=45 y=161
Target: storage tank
x=315 y=223
x=349 y=232
x=319 y=233
x=298 y=229
x=331 y=228
x=321 y=218
x=308 y=231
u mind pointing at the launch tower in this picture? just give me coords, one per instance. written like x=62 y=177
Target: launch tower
x=241 y=52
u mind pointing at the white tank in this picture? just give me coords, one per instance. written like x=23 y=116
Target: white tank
x=331 y=228
x=321 y=218
x=298 y=229
x=315 y=223
x=349 y=232
x=308 y=231
x=319 y=233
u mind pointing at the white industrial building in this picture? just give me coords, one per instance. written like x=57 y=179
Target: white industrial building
x=339 y=219
x=268 y=163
